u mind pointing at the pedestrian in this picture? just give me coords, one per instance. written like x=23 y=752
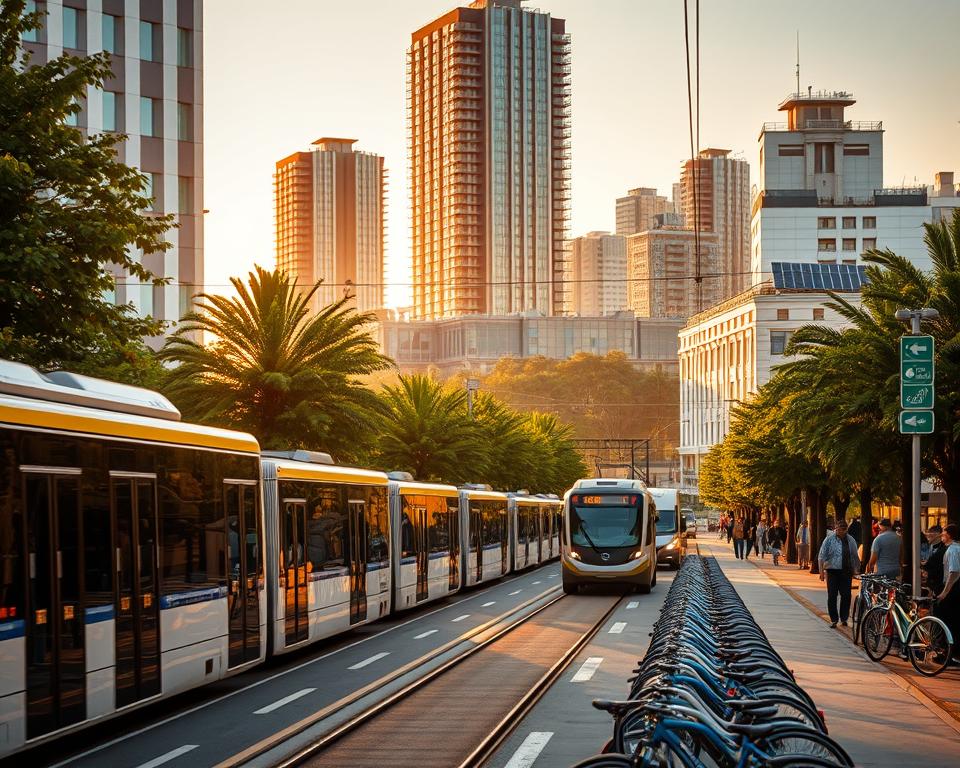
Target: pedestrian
x=855 y=531
x=947 y=606
x=730 y=523
x=875 y=526
x=750 y=539
x=803 y=544
x=885 y=553
x=776 y=535
x=838 y=565
x=738 y=537
x=722 y=527
x=933 y=565
x=762 y=537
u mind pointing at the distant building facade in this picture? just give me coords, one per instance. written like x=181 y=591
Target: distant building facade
x=637 y=211
x=598 y=277
x=329 y=207
x=476 y=343
x=155 y=97
x=661 y=266
x=488 y=110
x=724 y=210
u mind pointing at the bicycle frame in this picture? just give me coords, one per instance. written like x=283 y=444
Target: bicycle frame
x=665 y=732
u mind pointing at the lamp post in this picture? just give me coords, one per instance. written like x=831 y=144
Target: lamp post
x=472 y=386
x=915 y=317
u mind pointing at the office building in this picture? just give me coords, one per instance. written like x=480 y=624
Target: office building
x=598 y=279
x=637 y=211
x=488 y=100
x=724 y=210
x=661 y=267
x=155 y=96
x=329 y=211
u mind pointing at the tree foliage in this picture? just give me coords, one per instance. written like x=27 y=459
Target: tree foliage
x=70 y=214
x=272 y=369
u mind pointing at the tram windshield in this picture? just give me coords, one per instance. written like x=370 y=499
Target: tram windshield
x=602 y=522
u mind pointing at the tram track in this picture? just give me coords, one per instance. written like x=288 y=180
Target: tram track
x=462 y=711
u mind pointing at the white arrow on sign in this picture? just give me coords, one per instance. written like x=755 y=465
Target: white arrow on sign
x=917 y=348
x=911 y=420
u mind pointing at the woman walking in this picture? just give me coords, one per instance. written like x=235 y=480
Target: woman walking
x=762 y=537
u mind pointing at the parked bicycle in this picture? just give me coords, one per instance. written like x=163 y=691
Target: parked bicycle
x=873 y=589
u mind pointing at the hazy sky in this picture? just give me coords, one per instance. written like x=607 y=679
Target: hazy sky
x=279 y=75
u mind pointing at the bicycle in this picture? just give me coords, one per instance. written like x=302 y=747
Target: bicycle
x=927 y=640
x=868 y=596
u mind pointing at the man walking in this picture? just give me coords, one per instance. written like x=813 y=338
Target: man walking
x=838 y=565
x=803 y=544
x=947 y=606
x=885 y=552
x=762 y=537
x=776 y=536
x=738 y=540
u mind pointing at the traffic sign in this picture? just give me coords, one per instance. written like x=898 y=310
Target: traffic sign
x=916 y=349
x=916 y=397
x=916 y=372
x=916 y=422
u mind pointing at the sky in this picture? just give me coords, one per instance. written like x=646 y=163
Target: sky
x=279 y=75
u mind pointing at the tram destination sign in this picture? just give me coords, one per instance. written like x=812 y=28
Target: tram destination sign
x=916 y=372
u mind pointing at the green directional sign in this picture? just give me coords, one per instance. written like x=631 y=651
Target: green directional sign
x=916 y=422
x=916 y=372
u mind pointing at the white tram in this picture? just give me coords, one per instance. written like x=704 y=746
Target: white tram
x=535 y=529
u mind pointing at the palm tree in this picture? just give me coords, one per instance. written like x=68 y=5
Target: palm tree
x=273 y=369
x=561 y=465
x=425 y=430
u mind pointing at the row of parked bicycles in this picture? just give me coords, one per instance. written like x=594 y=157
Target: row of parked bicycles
x=711 y=690
x=886 y=614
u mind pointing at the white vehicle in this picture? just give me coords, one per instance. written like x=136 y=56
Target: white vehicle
x=671 y=536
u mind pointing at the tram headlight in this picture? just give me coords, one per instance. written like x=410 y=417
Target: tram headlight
x=574 y=555
x=673 y=544
x=637 y=555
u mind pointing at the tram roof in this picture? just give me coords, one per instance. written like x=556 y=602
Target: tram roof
x=434 y=489
x=301 y=470
x=491 y=495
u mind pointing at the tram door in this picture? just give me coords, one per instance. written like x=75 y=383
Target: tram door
x=453 y=520
x=294 y=571
x=540 y=511
x=476 y=524
x=138 y=604
x=358 y=560
x=56 y=690
x=421 y=546
x=243 y=571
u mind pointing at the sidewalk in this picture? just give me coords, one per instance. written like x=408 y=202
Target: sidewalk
x=879 y=718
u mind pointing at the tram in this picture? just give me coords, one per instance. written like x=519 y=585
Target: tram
x=671 y=527
x=535 y=526
x=609 y=535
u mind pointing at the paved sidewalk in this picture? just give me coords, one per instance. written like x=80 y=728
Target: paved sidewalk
x=867 y=707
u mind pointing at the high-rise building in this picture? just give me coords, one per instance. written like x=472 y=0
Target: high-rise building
x=724 y=209
x=155 y=96
x=329 y=210
x=677 y=199
x=598 y=277
x=636 y=211
x=489 y=128
x=661 y=266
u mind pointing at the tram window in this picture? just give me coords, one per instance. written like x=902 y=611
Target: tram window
x=11 y=536
x=439 y=524
x=378 y=527
x=406 y=532
x=326 y=527
x=98 y=559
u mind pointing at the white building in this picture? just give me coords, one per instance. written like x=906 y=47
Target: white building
x=598 y=274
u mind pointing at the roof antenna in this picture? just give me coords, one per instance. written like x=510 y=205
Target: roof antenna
x=798 y=63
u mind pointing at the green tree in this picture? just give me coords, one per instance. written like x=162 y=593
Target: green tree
x=425 y=430
x=273 y=369
x=70 y=214
x=558 y=464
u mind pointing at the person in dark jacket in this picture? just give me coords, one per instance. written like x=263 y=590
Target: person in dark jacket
x=854 y=530
x=776 y=536
x=933 y=566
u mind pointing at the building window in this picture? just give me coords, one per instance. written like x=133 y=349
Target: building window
x=73 y=117
x=827 y=222
x=849 y=222
x=32 y=35
x=849 y=243
x=790 y=150
x=184 y=47
x=862 y=150
x=869 y=222
x=185 y=194
x=71 y=27
x=869 y=244
x=112 y=33
x=828 y=245
x=823 y=157
x=778 y=341
x=783 y=314
x=148 y=116
x=818 y=313
x=153 y=191
x=147 y=39
x=110 y=111
x=184 y=122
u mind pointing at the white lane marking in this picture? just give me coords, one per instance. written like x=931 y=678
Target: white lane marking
x=516 y=593
x=617 y=628
x=536 y=582
x=461 y=618
x=425 y=634
x=632 y=604
x=375 y=657
x=552 y=576
x=173 y=754
x=487 y=605
x=587 y=670
x=528 y=752
x=284 y=700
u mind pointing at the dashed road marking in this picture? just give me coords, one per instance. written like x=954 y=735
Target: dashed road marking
x=528 y=752
x=632 y=604
x=487 y=605
x=617 y=628
x=375 y=657
x=461 y=618
x=536 y=582
x=425 y=634
x=587 y=669
x=285 y=700
x=517 y=592
x=173 y=754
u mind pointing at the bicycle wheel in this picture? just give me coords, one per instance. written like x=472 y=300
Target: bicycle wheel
x=607 y=761
x=790 y=707
x=858 y=610
x=803 y=741
x=877 y=633
x=928 y=647
x=801 y=761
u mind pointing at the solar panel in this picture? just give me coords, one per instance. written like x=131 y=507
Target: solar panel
x=818 y=277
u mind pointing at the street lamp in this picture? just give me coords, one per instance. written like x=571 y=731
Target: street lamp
x=914 y=317
x=472 y=386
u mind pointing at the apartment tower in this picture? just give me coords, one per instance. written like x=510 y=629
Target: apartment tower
x=489 y=129
x=724 y=210
x=638 y=210
x=329 y=211
x=155 y=96
x=598 y=274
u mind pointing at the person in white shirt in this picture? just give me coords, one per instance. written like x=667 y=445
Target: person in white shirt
x=947 y=606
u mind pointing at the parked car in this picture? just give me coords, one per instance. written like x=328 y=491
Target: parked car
x=691 y=523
